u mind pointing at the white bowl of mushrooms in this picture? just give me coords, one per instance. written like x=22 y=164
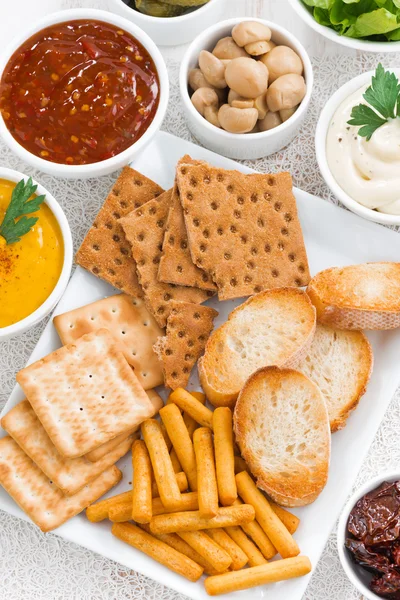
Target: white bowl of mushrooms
x=246 y=86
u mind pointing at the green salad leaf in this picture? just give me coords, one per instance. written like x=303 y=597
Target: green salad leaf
x=383 y=97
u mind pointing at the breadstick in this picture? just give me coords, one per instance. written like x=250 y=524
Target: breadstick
x=164 y=473
x=267 y=519
x=190 y=423
x=290 y=521
x=240 y=465
x=161 y=552
x=201 y=414
x=220 y=537
x=99 y=511
x=175 y=461
x=272 y=572
x=121 y=512
x=193 y=521
x=206 y=476
x=181 y=480
x=224 y=457
x=200 y=396
x=142 y=477
x=166 y=438
x=182 y=444
x=218 y=558
x=254 y=531
x=253 y=554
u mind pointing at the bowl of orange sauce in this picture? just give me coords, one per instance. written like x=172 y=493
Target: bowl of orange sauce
x=82 y=92
x=34 y=270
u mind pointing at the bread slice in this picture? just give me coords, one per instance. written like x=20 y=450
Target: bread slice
x=282 y=427
x=274 y=327
x=365 y=296
x=340 y=363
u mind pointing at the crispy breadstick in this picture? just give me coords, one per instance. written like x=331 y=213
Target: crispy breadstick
x=175 y=461
x=216 y=556
x=224 y=457
x=200 y=396
x=253 y=554
x=99 y=511
x=193 y=521
x=254 y=531
x=206 y=476
x=201 y=414
x=161 y=552
x=220 y=537
x=267 y=519
x=182 y=444
x=181 y=480
x=164 y=473
x=278 y=570
x=290 y=521
x=142 y=477
x=240 y=465
x=166 y=438
x=121 y=512
x=190 y=423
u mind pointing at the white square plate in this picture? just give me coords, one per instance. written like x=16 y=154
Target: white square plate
x=333 y=237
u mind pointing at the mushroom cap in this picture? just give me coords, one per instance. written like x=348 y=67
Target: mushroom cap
x=213 y=69
x=286 y=92
x=270 y=121
x=205 y=97
x=247 y=32
x=237 y=120
x=282 y=60
x=226 y=48
x=247 y=77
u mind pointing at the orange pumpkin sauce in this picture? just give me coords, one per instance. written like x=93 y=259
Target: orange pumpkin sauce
x=30 y=268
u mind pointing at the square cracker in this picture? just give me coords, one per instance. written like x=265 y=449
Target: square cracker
x=176 y=265
x=85 y=394
x=69 y=474
x=188 y=328
x=38 y=497
x=130 y=324
x=144 y=229
x=105 y=251
x=243 y=229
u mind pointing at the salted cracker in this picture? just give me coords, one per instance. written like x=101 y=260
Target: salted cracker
x=144 y=229
x=131 y=325
x=37 y=496
x=85 y=394
x=105 y=251
x=69 y=474
x=243 y=229
x=188 y=328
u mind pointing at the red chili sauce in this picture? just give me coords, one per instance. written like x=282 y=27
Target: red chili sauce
x=79 y=92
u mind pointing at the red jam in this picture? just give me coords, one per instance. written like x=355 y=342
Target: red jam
x=79 y=92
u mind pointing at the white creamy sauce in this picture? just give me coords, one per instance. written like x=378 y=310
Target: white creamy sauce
x=369 y=172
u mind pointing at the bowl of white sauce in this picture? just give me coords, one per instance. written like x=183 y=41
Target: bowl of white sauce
x=363 y=174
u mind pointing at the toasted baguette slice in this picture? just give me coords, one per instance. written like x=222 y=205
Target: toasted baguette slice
x=340 y=363
x=274 y=327
x=282 y=427
x=358 y=297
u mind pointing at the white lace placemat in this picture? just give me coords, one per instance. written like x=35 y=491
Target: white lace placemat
x=36 y=566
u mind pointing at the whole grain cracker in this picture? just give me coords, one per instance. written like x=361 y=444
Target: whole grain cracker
x=144 y=229
x=188 y=328
x=69 y=474
x=131 y=325
x=105 y=251
x=243 y=229
x=85 y=394
x=37 y=496
x=176 y=265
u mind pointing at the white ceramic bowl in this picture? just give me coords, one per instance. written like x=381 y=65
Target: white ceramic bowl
x=111 y=164
x=51 y=301
x=320 y=147
x=332 y=35
x=176 y=30
x=358 y=576
x=249 y=145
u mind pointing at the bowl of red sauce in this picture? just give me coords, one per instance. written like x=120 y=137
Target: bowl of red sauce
x=369 y=538
x=81 y=93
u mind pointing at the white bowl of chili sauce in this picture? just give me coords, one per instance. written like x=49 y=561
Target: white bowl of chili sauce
x=81 y=93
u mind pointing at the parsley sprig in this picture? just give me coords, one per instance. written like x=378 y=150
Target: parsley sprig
x=15 y=224
x=383 y=97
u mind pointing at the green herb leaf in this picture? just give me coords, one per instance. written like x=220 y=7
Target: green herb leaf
x=363 y=115
x=11 y=229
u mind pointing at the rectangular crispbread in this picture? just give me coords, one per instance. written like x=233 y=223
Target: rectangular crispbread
x=188 y=328
x=40 y=499
x=131 y=325
x=68 y=474
x=85 y=394
x=176 y=265
x=105 y=251
x=243 y=229
x=144 y=229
